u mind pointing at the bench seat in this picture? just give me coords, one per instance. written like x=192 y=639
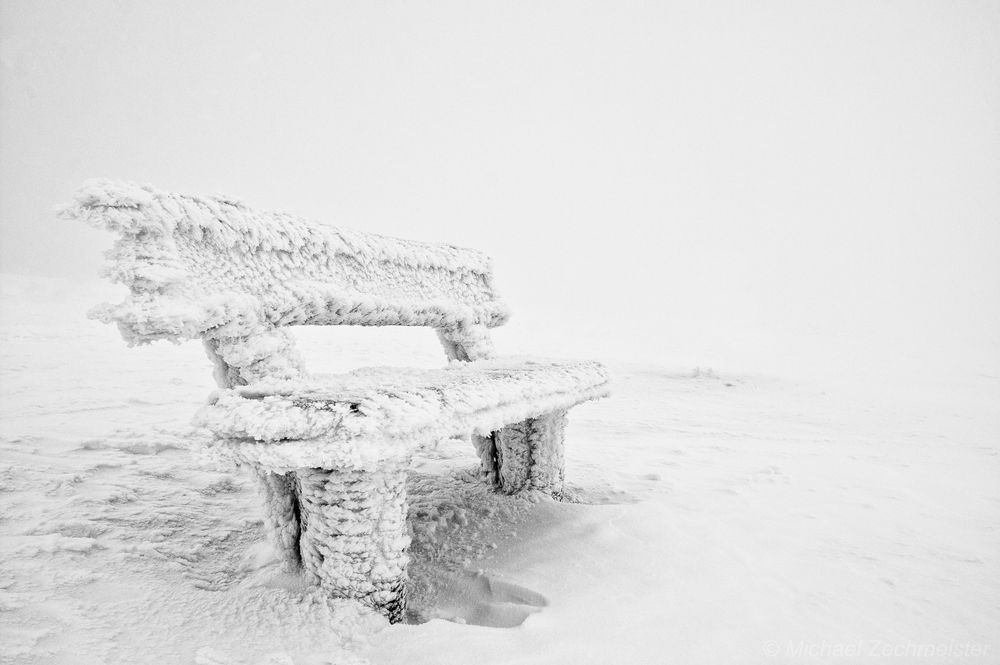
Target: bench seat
x=331 y=453
x=369 y=416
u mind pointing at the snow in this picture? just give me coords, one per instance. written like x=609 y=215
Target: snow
x=709 y=516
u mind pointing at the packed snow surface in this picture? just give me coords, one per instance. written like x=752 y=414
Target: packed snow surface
x=709 y=517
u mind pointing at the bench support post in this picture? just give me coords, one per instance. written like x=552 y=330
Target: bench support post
x=466 y=343
x=239 y=361
x=353 y=534
x=527 y=455
x=279 y=492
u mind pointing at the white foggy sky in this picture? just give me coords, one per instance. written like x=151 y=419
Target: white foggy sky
x=726 y=179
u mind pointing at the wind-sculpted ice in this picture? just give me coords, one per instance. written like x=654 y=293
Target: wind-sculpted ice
x=331 y=453
x=212 y=268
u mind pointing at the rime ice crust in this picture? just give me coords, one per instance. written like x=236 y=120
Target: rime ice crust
x=361 y=419
x=278 y=270
x=356 y=544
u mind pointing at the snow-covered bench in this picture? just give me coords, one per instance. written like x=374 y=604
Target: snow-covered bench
x=331 y=452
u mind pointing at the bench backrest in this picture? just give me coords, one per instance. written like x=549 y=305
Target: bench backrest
x=214 y=269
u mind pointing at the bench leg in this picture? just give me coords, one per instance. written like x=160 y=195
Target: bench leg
x=527 y=455
x=281 y=514
x=354 y=535
x=466 y=342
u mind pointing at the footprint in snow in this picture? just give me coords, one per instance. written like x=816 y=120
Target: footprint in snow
x=481 y=601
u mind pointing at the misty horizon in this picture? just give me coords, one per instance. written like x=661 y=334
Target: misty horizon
x=738 y=180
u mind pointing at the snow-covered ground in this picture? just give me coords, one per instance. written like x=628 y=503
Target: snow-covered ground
x=715 y=517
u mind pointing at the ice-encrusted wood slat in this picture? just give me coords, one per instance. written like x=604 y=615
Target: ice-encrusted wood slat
x=198 y=266
x=364 y=418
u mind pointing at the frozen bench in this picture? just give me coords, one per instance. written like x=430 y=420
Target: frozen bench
x=331 y=452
